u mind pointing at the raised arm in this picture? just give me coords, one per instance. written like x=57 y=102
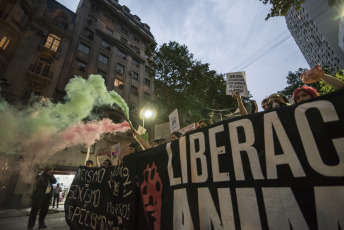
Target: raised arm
x=241 y=106
x=317 y=74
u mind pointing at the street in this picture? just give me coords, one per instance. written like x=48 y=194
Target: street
x=54 y=221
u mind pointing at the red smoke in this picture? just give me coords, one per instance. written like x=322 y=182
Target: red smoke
x=90 y=132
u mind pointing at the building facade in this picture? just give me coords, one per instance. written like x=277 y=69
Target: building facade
x=318 y=29
x=43 y=45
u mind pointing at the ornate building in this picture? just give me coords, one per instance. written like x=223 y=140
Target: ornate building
x=43 y=45
x=318 y=29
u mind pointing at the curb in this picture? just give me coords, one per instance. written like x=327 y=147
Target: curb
x=10 y=214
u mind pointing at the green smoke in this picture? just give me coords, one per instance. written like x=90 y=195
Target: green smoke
x=24 y=129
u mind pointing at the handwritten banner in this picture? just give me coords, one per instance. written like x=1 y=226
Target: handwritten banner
x=282 y=169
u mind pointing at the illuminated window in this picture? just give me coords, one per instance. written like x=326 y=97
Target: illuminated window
x=4 y=42
x=52 y=42
x=118 y=83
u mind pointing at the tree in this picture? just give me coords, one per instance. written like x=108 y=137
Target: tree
x=186 y=84
x=293 y=81
x=281 y=7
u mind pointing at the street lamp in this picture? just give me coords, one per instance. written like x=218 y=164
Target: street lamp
x=147 y=113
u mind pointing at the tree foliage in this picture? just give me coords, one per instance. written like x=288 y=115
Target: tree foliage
x=186 y=84
x=293 y=81
x=281 y=7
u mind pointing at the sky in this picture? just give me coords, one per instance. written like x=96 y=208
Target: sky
x=230 y=35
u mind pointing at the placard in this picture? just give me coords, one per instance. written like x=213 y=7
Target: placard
x=236 y=82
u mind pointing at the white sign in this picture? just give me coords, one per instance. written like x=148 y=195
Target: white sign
x=236 y=82
x=141 y=130
x=174 y=121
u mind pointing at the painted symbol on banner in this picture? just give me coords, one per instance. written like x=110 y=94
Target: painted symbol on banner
x=151 y=189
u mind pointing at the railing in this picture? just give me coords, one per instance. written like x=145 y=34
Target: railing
x=42 y=44
x=40 y=71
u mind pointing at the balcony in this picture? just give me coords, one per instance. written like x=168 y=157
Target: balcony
x=52 y=50
x=38 y=70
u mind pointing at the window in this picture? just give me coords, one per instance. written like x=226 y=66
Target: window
x=135 y=63
x=81 y=65
x=94 y=7
x=124 y=30
x=84 y=48
x=120 y=69
x=123 y=40
x=118 y=83
x=147 y=69
x=132 y=108
x=146 y=96
x=61 y=21
x=136 y=49
x=121 y=55
x=134 y=90
x=52 y=42
x=106 y=45
x=102 y=73
x=147 y=82
x=103 y=59
x=4 y=42
x=108 y=30
x=137 y=39
x=88 y=33
x=134 y=75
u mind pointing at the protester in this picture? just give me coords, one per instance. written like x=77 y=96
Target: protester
x=41 y=198
x=204 y=123
x=304 y=93
x=175 y=135
x=277 y=100
x=317 y=74
x=106 y=163
x=57 y=191
x=241 y=106
x=264 y=104
x=89 y=163
x=159 y=141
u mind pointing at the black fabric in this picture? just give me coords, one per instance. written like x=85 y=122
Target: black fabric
x=271 y=170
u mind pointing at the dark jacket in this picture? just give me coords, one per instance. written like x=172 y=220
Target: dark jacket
x=41 y=186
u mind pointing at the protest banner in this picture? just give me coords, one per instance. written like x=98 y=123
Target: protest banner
x=282 y=169
x=236 y=82
x=188 y=128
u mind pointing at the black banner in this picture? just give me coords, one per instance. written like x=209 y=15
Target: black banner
x=281 y=169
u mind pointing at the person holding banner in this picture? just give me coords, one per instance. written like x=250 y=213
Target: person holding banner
x=175 y=135
x=204 y=123
x=264 y=104
x=277 y=100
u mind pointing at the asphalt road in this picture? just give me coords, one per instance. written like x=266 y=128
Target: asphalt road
x=55 y=221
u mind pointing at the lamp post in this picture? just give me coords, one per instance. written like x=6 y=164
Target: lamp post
x=146 y=114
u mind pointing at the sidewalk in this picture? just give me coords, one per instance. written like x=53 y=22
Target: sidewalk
x=26 y=211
